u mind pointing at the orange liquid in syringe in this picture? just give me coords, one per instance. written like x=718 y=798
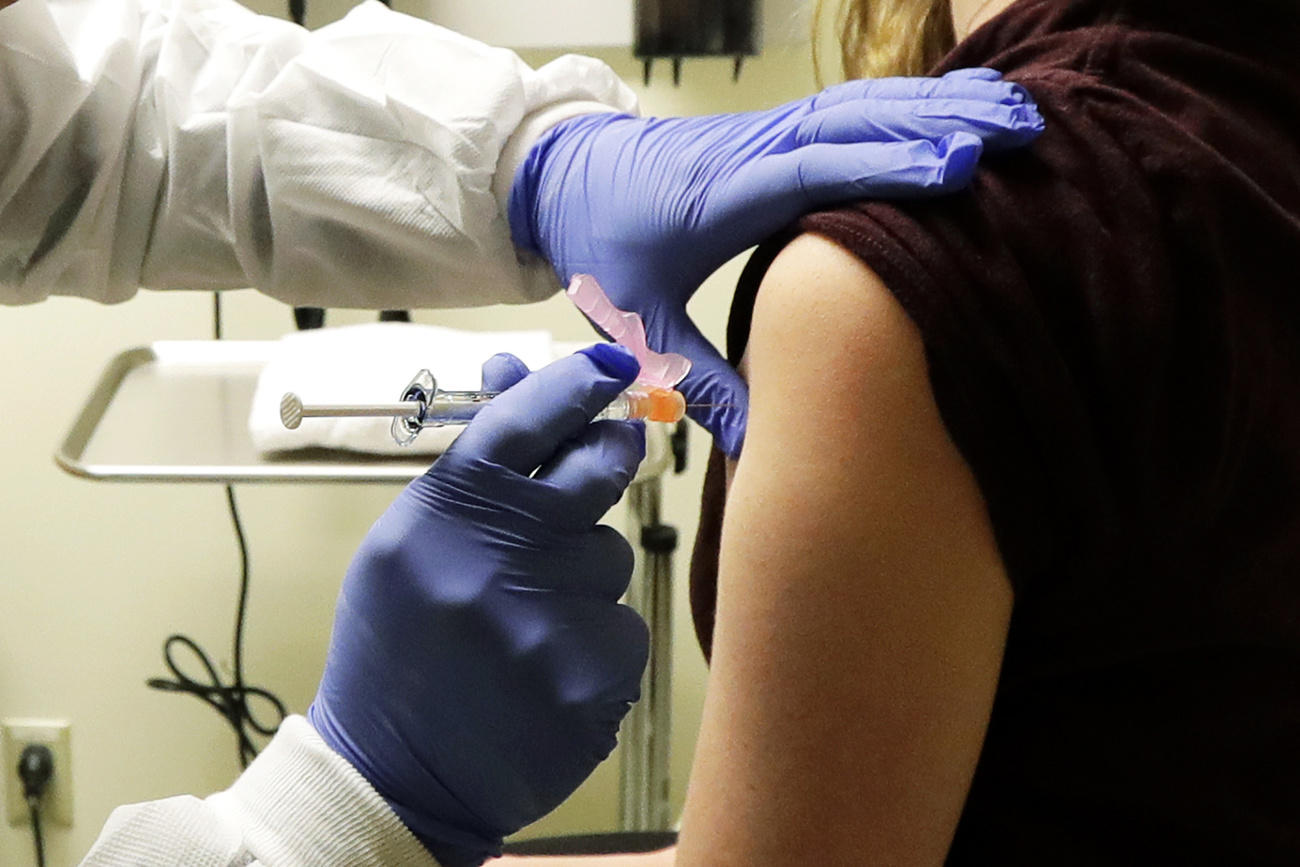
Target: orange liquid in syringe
x=655 y=404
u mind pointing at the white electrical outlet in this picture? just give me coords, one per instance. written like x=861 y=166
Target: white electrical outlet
x=56 y=805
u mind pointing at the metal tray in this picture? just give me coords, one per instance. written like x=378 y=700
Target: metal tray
x=177 y=411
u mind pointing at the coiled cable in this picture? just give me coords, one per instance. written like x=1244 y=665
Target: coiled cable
x=231 y=700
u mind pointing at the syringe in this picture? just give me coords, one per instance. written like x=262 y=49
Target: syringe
x=424 y=405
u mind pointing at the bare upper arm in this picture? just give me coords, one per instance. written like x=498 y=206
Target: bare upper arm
x=862 y=604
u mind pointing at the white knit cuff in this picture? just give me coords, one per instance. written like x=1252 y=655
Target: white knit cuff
x=302 y=803
x=535 y=272
x=530 y=129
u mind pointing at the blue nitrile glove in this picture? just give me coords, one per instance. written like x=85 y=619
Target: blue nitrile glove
x=652 y=206
x=480 y=662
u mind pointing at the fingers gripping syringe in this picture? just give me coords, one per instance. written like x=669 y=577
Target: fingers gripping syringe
x=424 y=405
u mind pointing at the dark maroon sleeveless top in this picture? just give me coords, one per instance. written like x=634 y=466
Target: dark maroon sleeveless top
x=1112 y=323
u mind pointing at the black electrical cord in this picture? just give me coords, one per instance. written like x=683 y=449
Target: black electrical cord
x=229 y=700
x=35 y=768
x=34 y=807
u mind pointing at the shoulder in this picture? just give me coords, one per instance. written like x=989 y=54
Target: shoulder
x=843 y=418
x=820 y=303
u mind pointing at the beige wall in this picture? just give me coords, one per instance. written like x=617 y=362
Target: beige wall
x=94 y=575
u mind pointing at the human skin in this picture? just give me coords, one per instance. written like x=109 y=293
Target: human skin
x=859 y=584
x=968 y=15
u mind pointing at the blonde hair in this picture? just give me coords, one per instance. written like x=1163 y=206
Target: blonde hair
x=888 y=37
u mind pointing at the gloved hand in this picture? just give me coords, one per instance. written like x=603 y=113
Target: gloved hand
x=652 y=206
x=480 y=662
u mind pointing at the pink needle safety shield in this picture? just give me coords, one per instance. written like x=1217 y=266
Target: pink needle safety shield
x=658 y=369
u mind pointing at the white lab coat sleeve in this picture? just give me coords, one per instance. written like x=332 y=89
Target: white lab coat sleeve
x=299 y=803
x=192 y=144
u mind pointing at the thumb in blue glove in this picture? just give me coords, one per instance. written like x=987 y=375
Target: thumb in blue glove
x=480 y=662
x=651 y=206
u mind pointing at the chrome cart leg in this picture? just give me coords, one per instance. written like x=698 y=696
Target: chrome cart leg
x=643 y=788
